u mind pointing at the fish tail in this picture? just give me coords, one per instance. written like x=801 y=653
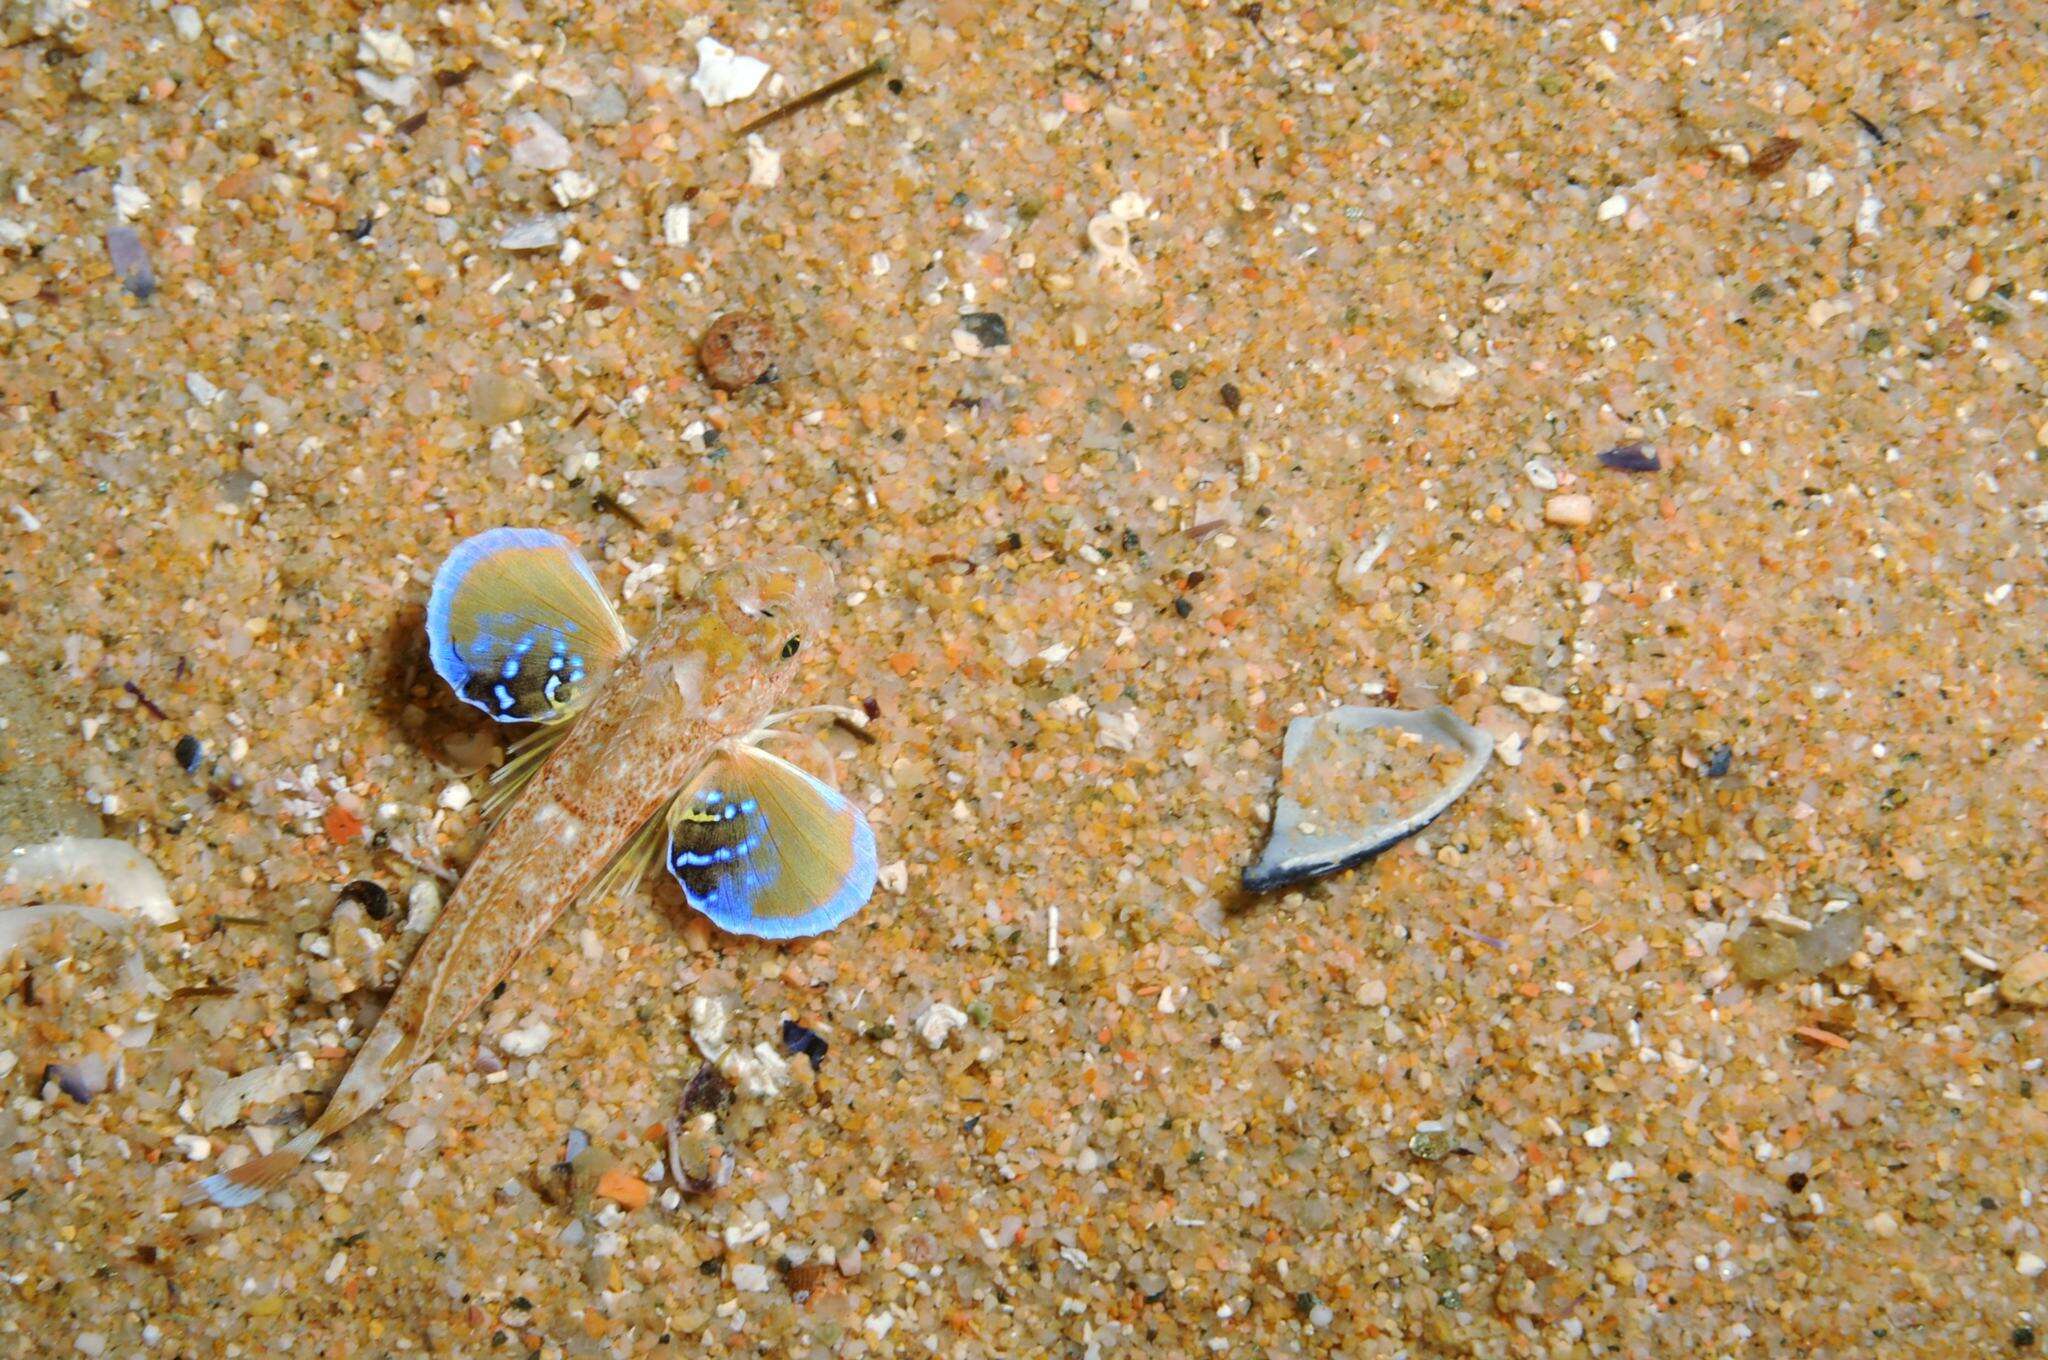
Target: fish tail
x=250 y=1181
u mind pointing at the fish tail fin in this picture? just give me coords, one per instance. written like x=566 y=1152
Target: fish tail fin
x=251 y=1181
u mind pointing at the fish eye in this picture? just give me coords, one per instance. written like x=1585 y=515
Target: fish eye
x=789 y=648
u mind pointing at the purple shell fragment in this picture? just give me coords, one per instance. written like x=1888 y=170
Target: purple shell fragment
x=1631 y=458
x=131 y=262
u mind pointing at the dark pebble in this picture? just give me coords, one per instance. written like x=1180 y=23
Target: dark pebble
x=375 y=901
x=1181 y=606
x=1796 y=1182
x=797 y=1039
x=1631 y=458
x=737 y=351
x=188 y=753
x=2023 y=1337
x=1720 y=760
x=1179 y=379
x=989 y=329
x=131 y=261
x=707 y=1091
x=1232 y=398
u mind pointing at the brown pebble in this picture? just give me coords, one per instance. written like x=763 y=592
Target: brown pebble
x=737 y=351
x=2026 y=981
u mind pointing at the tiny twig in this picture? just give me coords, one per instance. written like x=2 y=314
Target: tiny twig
x=605 y=503
x=145 y=701
x=852 y=730
x=817 y=96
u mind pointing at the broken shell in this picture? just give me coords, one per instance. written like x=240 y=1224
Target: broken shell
x=1335 y=809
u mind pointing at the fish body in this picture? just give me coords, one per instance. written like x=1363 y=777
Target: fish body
x=708 y=676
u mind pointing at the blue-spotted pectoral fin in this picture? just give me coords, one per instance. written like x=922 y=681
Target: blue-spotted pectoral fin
x=764 y=848
x=518 y=625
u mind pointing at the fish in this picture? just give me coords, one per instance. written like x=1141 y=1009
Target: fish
x=639 y=740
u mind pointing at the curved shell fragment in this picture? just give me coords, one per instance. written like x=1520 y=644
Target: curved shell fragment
x=1356 y=781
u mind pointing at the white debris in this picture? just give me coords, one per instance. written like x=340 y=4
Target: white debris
x=1129 y=206
x=675 y=224
x=1612 y=207
x=1438 y=385
x=764 y=164
x=761 y=1073
x=750 y=1278
x=202 y=391
x=456 y=796
x=936 y=1023
x=422 y=906
x=1819 y=182
x=709 y=1018
x=195 y=1148
x=108 y=881
x=571 y=187
x=385 y=49
x=1599 y=1136
x=528 y=1039
x=2029 y=1264
x=535 y=233
x=1531 y=700
x=895 y=877
x=1110 y=235
x=1867 y=213
x=723 y=75
x=1540 y=474
x=331 y=1182
x=536 y=143
x=186 y=23
x=1353 y=574
x=1118 y=730
x=397 y=91
x=13 y=235
x=130 y=202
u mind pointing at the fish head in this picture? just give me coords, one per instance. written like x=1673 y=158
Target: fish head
x=773 y=605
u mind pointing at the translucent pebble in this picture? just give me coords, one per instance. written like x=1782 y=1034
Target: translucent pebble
x=131 y=262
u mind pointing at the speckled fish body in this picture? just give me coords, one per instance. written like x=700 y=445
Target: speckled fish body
x=708 y=675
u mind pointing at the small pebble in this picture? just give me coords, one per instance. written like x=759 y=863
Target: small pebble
x=2025 y=982
x=987 y=329
x=188 y=753
x=937 y=1022
x=1437 y=385
x=455 y=797
x=1572 y=511
x=798 y=1039
x=1763 y=955
x=2029 y=1264
x=126 y=253
x=737 y=351
x=1720 y=760
x=535 y=233
x=1631 y=458
x=675 y=224
x=498 y=399
x=536 y=143
x=723 y=75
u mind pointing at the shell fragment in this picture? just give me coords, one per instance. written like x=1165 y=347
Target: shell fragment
x=1357 y=781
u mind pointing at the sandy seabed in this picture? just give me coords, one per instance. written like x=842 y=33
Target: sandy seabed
x=1704 y=1025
